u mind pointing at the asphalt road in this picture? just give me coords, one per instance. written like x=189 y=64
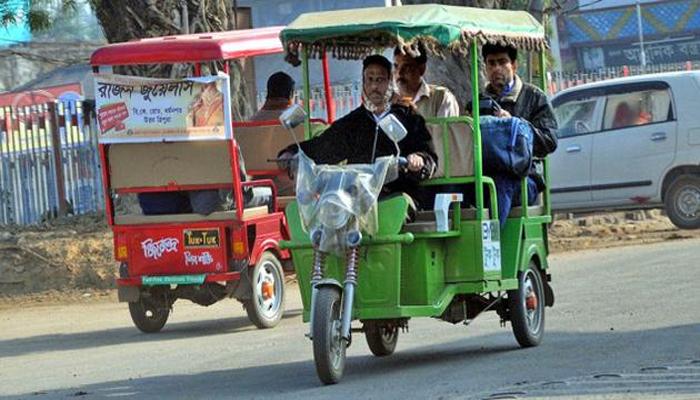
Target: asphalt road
x=626 y=325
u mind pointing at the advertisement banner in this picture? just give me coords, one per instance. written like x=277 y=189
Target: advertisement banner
x=136 y=109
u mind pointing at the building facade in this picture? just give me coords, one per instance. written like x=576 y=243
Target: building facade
x=598 y=37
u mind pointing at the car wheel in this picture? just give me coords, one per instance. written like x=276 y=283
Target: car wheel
x=682 y=202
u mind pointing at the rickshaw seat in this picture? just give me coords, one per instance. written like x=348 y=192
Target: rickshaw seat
x=262 y=143
x=160 y=164
x=532 y=211
x=137 y=219
x=461 y=149
x=425 y=220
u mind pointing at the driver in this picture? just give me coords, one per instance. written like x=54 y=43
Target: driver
x=352 y=138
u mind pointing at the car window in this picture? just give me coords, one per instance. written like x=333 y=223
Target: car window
x=576 y=117
x=637 y=108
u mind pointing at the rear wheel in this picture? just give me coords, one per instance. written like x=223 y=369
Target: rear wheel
x=329 y=347
x=266 y=306
x=381 y=338
x=150 y=313
x=526 y=306
x=682 y=202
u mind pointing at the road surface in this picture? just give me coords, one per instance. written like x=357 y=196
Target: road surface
x=626 y=325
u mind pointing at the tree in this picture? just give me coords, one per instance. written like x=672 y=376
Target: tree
x=38 y=15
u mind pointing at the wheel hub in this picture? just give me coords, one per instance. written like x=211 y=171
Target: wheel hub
x=268 y=290
x=531 y=301
x=268 y=293
x=689 y=201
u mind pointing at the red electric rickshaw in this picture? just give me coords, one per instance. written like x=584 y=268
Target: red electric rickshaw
x=157 y=137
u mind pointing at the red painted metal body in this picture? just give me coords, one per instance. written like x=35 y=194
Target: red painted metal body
x=205 y=246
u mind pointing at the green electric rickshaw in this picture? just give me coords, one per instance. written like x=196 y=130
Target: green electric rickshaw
x=356 y=258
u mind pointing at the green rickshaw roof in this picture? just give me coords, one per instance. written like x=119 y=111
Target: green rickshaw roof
x=355 y=33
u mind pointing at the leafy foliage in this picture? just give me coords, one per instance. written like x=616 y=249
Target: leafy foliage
x=38 y=15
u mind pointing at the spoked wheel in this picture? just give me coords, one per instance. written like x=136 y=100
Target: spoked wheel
x=150 y=313
x=266 y=306
x=527 y=307
x=329 y=347
x=381 y=338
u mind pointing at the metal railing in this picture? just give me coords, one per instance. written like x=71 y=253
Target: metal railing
x=560 y=81
x=49 y=162
x=346 y=96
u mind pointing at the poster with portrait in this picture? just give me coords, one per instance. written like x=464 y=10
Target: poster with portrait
x=136 y=109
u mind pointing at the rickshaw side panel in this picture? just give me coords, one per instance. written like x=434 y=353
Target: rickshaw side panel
x=176 y=250
x=423 y=271
x=522 y=239
x=264 y=234
x=465 y=259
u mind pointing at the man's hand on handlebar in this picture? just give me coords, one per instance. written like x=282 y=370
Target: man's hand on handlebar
x=415 y=162
x=287 y=161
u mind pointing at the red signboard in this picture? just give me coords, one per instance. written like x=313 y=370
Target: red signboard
x=112 y=116
x=174 y=251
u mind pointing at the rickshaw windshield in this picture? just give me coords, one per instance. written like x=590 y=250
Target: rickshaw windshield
x=330 y=196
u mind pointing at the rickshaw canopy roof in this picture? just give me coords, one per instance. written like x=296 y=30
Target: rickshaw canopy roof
x=199 y=47
x=355 y=33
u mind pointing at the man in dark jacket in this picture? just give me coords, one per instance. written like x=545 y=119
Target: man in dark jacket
x=352 y=138
x=519 y=99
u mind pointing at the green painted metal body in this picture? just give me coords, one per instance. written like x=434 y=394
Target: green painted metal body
x=418 y=275
x=405 y=274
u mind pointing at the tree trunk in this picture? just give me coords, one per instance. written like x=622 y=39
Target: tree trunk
x=135 y=19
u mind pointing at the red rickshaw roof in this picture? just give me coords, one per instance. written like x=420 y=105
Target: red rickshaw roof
x=199 y=47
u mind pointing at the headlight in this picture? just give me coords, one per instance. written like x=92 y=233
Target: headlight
x=334 y=211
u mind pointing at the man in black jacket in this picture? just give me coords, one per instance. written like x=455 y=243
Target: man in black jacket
x=520 y=99
x=352 y=138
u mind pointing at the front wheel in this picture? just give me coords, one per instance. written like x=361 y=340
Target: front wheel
x=381 y=338
x=329 y=347
x=150 y=313
x=682 y=202
x=526 y=306
x=266 y=306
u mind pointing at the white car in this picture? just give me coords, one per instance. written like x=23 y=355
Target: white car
x=630 y=143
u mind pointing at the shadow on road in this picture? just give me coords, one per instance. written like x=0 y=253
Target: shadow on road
x=111 y=337
x=459 y=369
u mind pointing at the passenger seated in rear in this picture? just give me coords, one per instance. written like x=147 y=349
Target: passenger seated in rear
x=519 y=99
x=280 y=92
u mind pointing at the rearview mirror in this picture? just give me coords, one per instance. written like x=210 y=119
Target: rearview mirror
x=292 y=116
x=393 y=128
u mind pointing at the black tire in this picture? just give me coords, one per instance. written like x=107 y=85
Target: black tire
x=381 y=338
x=150 y=313
x=682 y=202
x=265 y=308
x=526 y=305
x=329 y=347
